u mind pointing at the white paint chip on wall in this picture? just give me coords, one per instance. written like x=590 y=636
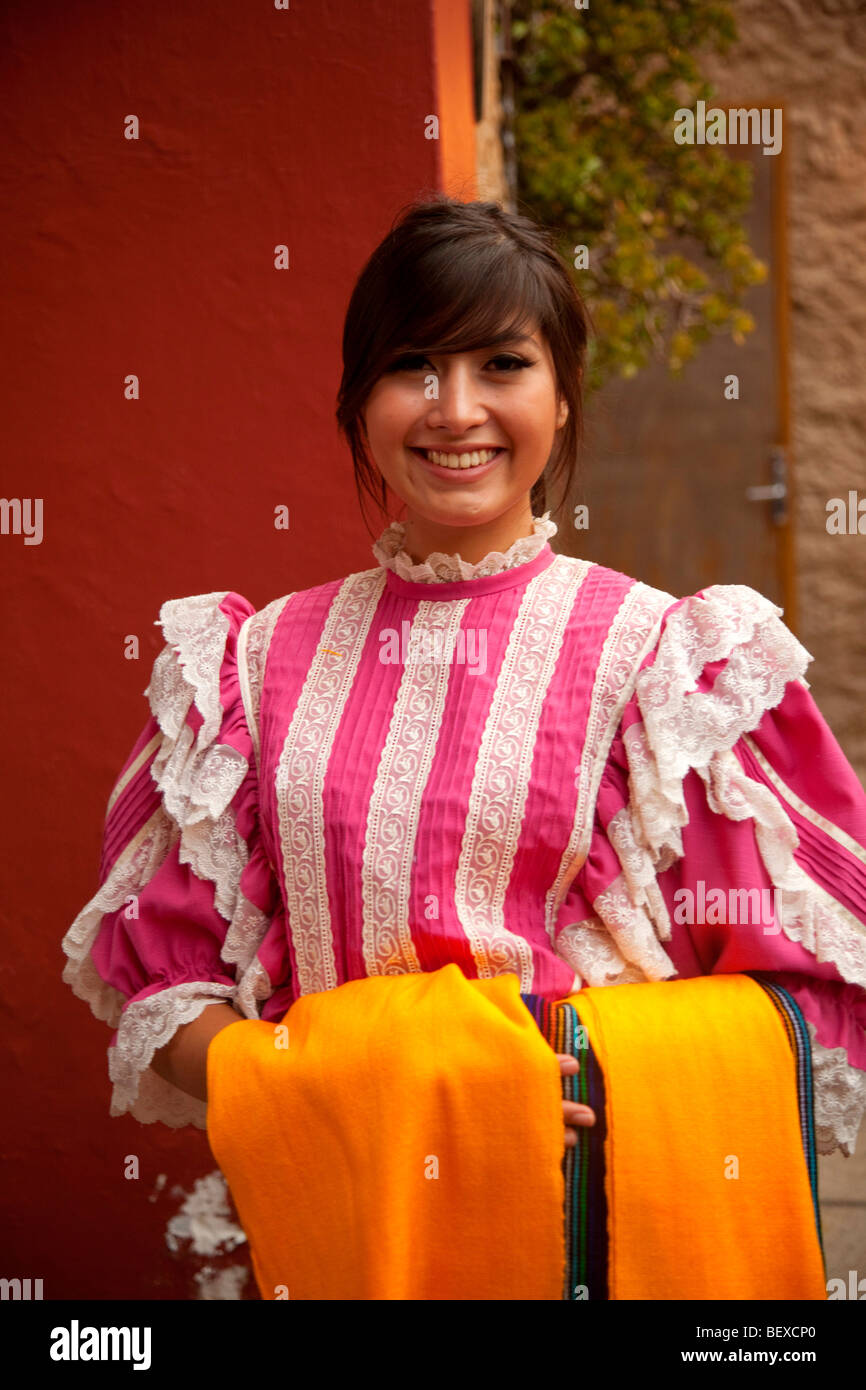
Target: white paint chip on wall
x=204 y=1219
x=226 y=1284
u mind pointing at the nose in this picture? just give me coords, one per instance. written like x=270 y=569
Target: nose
x=459 y=405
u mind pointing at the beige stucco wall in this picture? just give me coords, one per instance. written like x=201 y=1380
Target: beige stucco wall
x=810 y=59
x=791 y=53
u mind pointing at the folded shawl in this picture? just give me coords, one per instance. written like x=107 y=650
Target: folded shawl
x=406 y=1144
x=401 y=1137
x=701 y=1167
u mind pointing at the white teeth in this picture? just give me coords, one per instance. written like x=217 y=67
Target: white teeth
x=460 y=460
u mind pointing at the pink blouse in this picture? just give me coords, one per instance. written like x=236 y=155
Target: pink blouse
x=532 y=765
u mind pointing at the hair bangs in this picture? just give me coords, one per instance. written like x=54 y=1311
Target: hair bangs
x=484 y=297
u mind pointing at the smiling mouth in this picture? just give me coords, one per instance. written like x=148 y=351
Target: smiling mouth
x=465 y=460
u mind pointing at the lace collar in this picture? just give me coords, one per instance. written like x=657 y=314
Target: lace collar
x=439 y=568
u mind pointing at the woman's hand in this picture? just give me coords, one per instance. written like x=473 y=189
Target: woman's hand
x=572 y=1113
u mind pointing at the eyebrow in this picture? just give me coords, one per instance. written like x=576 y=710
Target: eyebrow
x=518 y=338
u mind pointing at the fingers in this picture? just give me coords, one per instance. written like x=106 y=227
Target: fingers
x=574 y=1115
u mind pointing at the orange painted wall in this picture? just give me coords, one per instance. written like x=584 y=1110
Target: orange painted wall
x=155 y=257
x=452 y=36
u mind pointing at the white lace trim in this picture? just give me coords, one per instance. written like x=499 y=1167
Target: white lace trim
x=143 y=1093
x=591 y=950
x=638 y=873
x=439 y=568
x=254 y=987
x=133 y=869
x=807 y=913
x=631 y=928
x=633 y=632
x=840 y=1097
x=684 y=728
x=197 y=779
x=146 y=1026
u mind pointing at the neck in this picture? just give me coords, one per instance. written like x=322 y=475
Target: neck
x=472 y=543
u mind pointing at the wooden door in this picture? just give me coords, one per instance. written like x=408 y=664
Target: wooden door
x=668 y=464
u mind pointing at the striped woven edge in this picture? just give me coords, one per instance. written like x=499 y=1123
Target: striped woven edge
x=583 y=1167
x=801 y=1047
x=585 y=1209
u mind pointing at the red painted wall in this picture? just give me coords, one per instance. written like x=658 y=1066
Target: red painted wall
x=155 y=257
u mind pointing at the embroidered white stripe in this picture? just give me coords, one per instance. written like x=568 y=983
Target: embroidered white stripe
x=301 y=771
x=500 y=784
x=632 y=634
x=401 y=777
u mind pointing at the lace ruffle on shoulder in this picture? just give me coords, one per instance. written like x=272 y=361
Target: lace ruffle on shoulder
x=682 y=728
x=685 y=728
x=198 y=778
x=439 y=568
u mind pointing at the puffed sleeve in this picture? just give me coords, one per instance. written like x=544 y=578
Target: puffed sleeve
x=730 y=835
x=186 y=887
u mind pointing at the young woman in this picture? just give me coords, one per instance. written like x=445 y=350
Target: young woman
x=595 y=784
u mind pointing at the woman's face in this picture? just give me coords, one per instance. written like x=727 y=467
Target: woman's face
x=430 y=412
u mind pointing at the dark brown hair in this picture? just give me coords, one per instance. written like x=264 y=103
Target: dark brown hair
x=456 y=277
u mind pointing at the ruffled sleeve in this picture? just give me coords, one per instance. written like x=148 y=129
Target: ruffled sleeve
x=186 y=885
x=730 y=835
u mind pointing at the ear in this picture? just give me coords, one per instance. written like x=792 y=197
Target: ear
x=561 y=412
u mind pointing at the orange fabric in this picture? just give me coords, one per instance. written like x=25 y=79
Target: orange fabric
x=407 y=1144
x=700 y=1084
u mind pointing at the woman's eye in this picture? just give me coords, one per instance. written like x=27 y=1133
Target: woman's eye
x=409 y=363
x=509 y=363
x=413 y=362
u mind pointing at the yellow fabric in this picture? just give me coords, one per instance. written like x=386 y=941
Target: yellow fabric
x=407 y=1144
x=700 y=1085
